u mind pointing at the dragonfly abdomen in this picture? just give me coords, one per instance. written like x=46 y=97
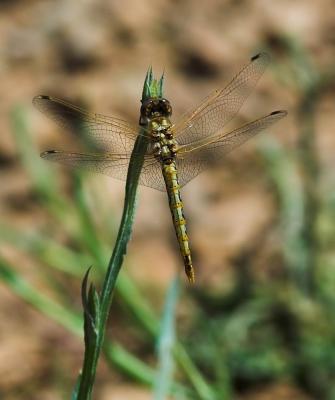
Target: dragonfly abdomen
x=176 y=206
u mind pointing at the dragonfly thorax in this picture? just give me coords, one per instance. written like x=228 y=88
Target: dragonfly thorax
x=155 y=117
x=163 y=144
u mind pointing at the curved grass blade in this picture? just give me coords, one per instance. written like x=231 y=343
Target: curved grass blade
x=115 y=263
x=166 y=342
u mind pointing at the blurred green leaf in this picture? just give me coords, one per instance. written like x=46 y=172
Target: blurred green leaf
x=166 y=341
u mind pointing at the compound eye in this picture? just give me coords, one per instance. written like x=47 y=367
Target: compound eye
x=149 y=110
x=166 y=107
x=156 y=107
x=144 y=110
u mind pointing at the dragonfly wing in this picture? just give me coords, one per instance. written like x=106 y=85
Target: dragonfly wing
x=114 y=165
x=106 y=133
x=190 y=166
x=221 y=105
x=195 y=157
x=151 y=174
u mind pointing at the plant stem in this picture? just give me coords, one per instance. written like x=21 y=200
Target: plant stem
x=152 y=88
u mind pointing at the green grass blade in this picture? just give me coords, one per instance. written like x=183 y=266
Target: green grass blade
x=202 y=388
x=73 y=322
x=120 y=249
x=89 y=233
x=42 y=178
x=69 y=319
x=284 y=174
x=166 y=341
x=135 y=300
x=46 y=250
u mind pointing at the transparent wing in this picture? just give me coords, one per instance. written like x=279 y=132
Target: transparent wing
x=194 y=158
x=114 y=165
x=151 y=174
x=190 y=167
x=107 y=133
x=221 y=105
x=191 y=159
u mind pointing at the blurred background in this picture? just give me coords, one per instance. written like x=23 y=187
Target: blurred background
x=259 y=323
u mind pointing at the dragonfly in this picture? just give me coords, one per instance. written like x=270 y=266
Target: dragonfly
x=175 y=153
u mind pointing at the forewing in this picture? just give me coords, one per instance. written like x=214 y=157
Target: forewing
x=114 y=165
x=107 y=133
x=221 y=105
x=194 y=158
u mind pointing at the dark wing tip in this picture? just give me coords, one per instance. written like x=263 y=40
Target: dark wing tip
x=259 y=55
x=41 y=97
x=36 y=99
x=282 y=112
x=46 y=153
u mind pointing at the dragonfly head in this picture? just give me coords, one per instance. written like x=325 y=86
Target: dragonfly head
x=153 y=108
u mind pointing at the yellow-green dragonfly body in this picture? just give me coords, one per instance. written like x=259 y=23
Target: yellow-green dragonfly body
x=155 y=117
x=176 y=153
